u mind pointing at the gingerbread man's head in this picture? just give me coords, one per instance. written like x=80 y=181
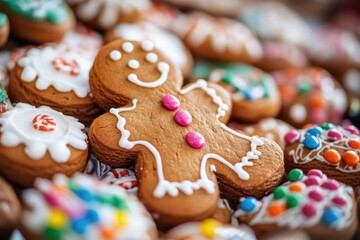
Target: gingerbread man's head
x=184 y=154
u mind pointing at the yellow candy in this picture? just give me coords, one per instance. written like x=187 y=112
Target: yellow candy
x=208 y=226
x=121 y=218
x=57 y=219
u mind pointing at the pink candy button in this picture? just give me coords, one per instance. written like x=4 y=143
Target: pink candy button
x=334 y=135
x=339 y=201
x=170 y=102
x=195 y=140
x=316 y=195
x=315 y=172
x=330 y=184
x=183 y=118
x=313 y=180
x=308 y=210
x=352 y=129
x=291 y=136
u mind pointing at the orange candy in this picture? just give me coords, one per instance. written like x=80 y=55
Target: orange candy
x=276 y=208
x=332 y=156
x=354 y=143
x=308 y=125
x=108 y=233
x=317 y=101
x=287 y=93
x=351 y=158
x=297 y=187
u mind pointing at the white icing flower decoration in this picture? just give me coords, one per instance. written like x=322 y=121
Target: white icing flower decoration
x=54 y=133
x=39 y=65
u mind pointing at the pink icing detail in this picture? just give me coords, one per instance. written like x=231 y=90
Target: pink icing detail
x=308 y=210
x=330 y=184
x=170 y=102
x=352 y=129
x=339 y=201
x=316 y=195
x=291 y=136
x=183 y=118
x=195 y=140
x=334 y=135
x=318 y=116
x=313 y=180
x=315 y=172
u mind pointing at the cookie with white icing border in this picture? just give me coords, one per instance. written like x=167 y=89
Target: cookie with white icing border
x=4 y=29
x=38 y=21
x=82 y=207
x=322 y=207
x=104 y=14
x=209 y=229
x=39 y=142
x=170 y=45
x=333 y=149
x=220 y=39
x=176 y=138
x=272 y=128
x=253 y=92
x=55 y=76
x=310 y=95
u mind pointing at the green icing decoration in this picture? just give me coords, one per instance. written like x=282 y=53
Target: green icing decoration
x=295 y=175
x=3 y=19
x=54 y=11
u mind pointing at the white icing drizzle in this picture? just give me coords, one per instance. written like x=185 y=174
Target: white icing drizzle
x=115 y=55
x=134 y=64
x=151 y=57
x=37 y=66
x=293 y=218
x=127 y=47
x=299 y=157
x=172 y=188
x=16 y=128
x=162 y=67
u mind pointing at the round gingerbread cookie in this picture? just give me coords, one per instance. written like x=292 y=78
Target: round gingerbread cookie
x=209 y=229
x=169 y=44
x=55 y=76
x=82 y=207
x=38 y=21
x=322 y=207
x=310 y=95
x=175 y=136
x=39 y=142
x=333 y=149
x=104 y=14
x=217 y=38
x=253 y=92
x=4 y=29
x=9 y=209
x=274 y=129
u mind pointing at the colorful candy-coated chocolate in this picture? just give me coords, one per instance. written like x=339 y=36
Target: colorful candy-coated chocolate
x=312 y=180
x=332 y=156
x=309 y=210
x=339 y=200
x=354 y=143
x=311 y=142
x=291 y=136
x=330 y=184
x=351 y=158
x=352 y=129
x=276 y=209
x=195 y=140
x=183 y=118
x=280 y=192
x=297 y=187
x=248 y=204
x=292 y=200
x=208 y=226
x=315 y=131
x=295 y=175
x=316 y=195
x=170 y=102
x=331 y=216
x=315 y=172
x=334 y=135
x=327 y=126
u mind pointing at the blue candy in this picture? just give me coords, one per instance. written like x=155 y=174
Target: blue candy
x=315 y=131
x=248 y=204
x=79 y=225
x=331 y=216
x=311 y=142
x=92 y=216
x=84 y=194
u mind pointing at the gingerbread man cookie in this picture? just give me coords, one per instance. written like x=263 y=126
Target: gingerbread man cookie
x=38 y=21
x=253 y=92
x=217 y=38
x=56 y=76
x=39 y=142
x=82 y=207
x=4 y=29
x=104 y=14
x=333 y=149
x=321 y=206
x=176 y=137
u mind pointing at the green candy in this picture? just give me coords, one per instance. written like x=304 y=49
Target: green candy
x=327 y=126
x=280 y=192
x=295 y=175
x=52 y=234
x=3 y=19
x=293 y=200
x=118 y=202
x=304 y=88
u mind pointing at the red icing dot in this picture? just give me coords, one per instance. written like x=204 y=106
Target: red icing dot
x=316 y=195
x=315 y=172
x=309 y=210
x=183 y=118
x=339 y=201
x=330 y=184
x=44 y=123
x=313 y=180
x=195 y=140
x=291 y=136
x=170 y=102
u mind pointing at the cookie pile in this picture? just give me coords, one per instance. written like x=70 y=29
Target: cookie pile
x=179 y=119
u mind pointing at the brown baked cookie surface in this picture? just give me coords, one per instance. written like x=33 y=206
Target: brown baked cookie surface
x=40 y=142
x=176 y=137
x=38 y=21
x=4 y=29
x=322 y=207
x=55 y=76
x=333 y=149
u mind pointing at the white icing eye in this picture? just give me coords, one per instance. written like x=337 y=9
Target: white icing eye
x=133 y=64
x=115 y=55
x=128 y=47
x=151 y=57
x=147 y=45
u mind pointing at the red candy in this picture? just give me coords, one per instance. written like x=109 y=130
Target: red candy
x=315 y=172
x=316 y=195
x=291 y=136
x=334 y=135
x=330 y=184
x=309 y=210
x=183 y=118
x=313 y=180
x=170 y=102
x=339 y=201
